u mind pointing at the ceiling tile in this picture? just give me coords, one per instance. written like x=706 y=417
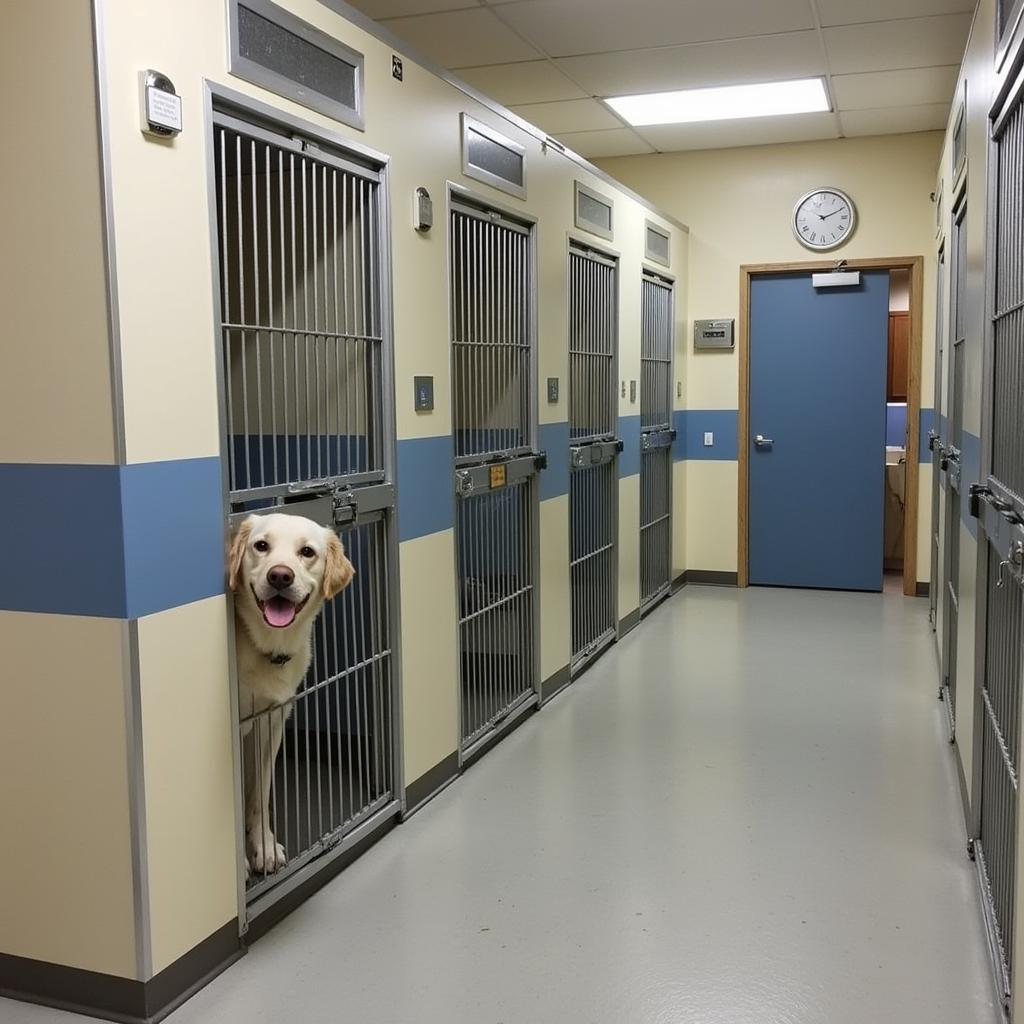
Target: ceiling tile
x=909 y=88
x=462 y=38
x=755 y=131
x=769 y=58
x=895 y=120
x=401 y=8
x=843 y=12
x=614 y=142
x=565 y=27
x=883 y=46
x=533 y=81
x=569 y=116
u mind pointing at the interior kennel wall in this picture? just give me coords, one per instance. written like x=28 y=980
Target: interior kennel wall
x=147 y=416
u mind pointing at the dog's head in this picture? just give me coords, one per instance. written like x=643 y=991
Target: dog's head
x=285 y=567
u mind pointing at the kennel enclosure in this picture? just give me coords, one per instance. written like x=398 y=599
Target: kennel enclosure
x=306 y=366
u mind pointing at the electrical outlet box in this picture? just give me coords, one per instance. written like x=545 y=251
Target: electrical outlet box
x=424 y=392
x=552 y=389
x=709 y=438
x=632 y=390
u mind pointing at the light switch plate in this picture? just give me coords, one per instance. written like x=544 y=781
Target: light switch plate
x=632 y=391
x=424 y=394
x=709 y=439
x=552 y=389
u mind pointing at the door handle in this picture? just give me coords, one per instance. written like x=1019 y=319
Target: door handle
x=763 y=442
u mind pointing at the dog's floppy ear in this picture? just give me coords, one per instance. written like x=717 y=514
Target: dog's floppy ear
x=238 y=545
x=338 y=570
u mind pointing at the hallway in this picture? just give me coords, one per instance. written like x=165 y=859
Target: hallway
x=770 y=836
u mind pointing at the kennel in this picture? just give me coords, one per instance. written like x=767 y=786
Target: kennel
x=656 y=437
x=594 y=451
x=306 y=368
x=999 y=505
x=951 y=465
x=494 y=422
x=934 y=439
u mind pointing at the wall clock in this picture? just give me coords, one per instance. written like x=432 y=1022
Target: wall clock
x=824 y=219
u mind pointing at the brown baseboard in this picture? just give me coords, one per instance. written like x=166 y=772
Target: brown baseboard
x=629 y=622
x=430 y=783
x=121 y=999
x=706 y=578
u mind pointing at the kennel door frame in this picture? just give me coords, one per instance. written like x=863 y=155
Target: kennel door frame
x=517 y=464
x=658 y=434
x=331 y=502
x=997 y=500
x=589 y=452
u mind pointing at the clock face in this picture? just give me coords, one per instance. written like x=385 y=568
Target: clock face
x=824 y=219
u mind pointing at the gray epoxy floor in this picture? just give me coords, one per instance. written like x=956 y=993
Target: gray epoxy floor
x=745 y=813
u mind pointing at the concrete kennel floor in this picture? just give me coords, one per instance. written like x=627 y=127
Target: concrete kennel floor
x=746 y=813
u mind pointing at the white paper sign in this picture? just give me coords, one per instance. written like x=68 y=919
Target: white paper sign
x=163 y=109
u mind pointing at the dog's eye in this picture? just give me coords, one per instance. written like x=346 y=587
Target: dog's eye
x=307 y=552
x=261 y=545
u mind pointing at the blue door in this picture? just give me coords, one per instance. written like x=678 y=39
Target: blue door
x=817 y=402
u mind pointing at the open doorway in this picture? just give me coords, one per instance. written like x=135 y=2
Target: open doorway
x=846 y=555
x=897 y=383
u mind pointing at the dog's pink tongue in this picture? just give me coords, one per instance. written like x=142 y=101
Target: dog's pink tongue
x=279 y=612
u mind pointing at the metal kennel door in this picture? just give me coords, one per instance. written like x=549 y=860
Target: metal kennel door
x=999 y=504
x=656 y=437
x=496 y=464
x=950 y=464
x=594 y=477
x=306 y=369
x=934 y=441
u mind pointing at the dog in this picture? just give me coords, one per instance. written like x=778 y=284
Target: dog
x=281 y=569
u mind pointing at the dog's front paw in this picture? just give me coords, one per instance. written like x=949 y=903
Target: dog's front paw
x=266 y=854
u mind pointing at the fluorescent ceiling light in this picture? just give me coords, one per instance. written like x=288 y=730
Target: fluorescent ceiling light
x=724 y=103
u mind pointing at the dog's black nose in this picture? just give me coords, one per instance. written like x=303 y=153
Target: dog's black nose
x=280 y=577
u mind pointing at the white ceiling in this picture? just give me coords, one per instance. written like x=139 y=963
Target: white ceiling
x=891 y=65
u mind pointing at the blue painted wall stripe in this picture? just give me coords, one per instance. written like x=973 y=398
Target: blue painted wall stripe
x=629 y=432
x=426 y=489
x=691 y=426
x=112 y=541
x=173 y=517
x=554 y=439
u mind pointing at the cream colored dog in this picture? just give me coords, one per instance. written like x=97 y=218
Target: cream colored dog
x=281 y=568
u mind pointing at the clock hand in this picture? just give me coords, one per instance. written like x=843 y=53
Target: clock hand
x=832 y=214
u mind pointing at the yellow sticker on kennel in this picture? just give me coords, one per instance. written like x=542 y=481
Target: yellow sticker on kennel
x=497 y=476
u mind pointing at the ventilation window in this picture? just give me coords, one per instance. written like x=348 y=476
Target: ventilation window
x=490 y=157
x=656 y=244
x=960 y=141
x=272 y=48
x=593 y=211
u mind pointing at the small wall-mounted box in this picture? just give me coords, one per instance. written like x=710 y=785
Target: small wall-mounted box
x=714 y=334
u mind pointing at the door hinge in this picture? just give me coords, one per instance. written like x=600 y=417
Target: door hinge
x=540 y=460
x=977 y=492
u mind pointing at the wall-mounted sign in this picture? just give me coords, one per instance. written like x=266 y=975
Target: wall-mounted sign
x=161 y=105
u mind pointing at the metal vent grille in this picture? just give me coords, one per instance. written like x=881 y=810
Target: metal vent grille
x=657 y=244
x=491 y=157
x=593 y=211
x=273 y=48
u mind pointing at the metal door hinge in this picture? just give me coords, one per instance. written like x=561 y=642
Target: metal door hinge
x=977 y=492
x=540 y=460
x=463 y=483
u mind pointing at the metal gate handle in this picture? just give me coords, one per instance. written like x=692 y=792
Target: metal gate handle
x=763 y=442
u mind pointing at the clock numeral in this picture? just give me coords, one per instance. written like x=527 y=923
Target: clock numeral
x=814 y=236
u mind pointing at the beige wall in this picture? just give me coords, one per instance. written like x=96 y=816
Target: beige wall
x=160 y=204
x=738 y=203
x=53 y=292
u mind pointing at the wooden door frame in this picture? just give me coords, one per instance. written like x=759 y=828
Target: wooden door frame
x=915 y=264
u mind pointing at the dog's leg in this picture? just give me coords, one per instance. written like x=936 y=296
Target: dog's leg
x=266 y=854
